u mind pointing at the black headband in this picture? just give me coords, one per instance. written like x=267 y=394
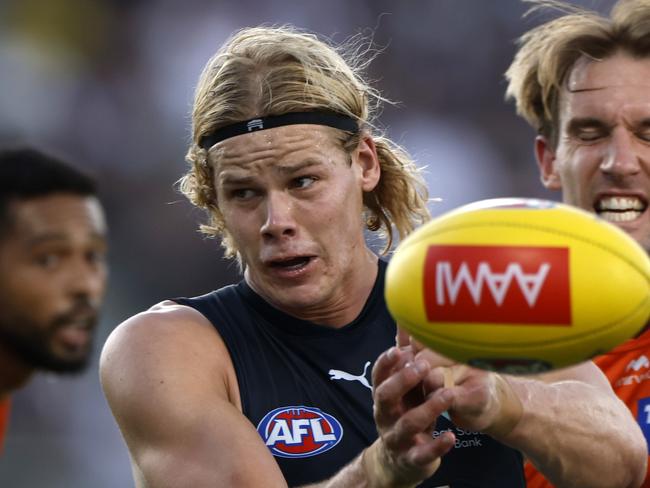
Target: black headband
x=330 y=119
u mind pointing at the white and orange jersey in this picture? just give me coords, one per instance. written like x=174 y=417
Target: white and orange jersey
x=4 y=420
x=628 y=369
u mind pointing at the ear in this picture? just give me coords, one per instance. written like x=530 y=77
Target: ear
x=365 y=155
x=547 y=163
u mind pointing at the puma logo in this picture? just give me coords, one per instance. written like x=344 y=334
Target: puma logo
x=337 y=374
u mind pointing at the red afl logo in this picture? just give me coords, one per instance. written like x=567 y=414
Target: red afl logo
x=296 y=432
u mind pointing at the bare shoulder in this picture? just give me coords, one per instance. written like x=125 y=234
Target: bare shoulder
x=169 y=329
x=170 y=384
x=168 y=344
x=153 y=328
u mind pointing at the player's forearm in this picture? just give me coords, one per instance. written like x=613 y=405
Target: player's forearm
x=366 y=471
x=594 y=443
x=351 y=475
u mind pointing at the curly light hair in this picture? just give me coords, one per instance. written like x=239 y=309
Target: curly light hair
x=264 y=71
x=548 y=53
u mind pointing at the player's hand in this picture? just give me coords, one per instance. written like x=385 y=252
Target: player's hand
x=406 y=452
x=480 y=400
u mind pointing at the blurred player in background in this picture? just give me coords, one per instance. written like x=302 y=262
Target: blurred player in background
x=52 y=268
x=583 y=82
x=264 y=383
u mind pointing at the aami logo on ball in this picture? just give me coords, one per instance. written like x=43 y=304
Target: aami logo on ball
x=297 y=432
x=497 y=284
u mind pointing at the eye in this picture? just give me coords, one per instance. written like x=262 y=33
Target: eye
x=644 y=135
x=590 y=134
x=96 y=257
x=48 y=261
x=242 y=193
x=303 y=182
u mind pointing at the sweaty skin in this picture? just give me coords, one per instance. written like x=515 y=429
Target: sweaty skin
x=292 y=201
x=602 y=159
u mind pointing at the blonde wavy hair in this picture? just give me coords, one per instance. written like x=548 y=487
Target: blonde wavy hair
x=548 y=53
x=266 y=71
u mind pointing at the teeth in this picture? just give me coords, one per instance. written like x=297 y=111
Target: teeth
x=626 y=216
x=620 y=203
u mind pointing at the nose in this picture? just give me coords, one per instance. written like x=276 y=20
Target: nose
x=621 y=158
x=87 y=280
x=279 y=219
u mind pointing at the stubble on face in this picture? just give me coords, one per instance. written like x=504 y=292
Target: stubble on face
x=52 y=280
x=603 y=153
x=34 y=343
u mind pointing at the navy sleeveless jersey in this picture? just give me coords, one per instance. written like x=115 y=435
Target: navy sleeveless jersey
x=306 y=388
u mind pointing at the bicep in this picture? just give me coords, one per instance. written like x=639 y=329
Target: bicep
x=171 y=404
x=209 y=446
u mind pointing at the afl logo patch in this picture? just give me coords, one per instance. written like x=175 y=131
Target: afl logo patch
x=296 y=432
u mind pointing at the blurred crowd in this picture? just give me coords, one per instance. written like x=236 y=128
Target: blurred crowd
x=108 y=85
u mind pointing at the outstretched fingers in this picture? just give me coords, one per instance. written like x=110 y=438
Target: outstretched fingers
x=405 y=417
x=415 y=426
x=390 y=391
x=389 y=361
x=428 y=450
x=413 y=452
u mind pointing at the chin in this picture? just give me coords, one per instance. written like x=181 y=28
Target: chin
x=296 y=300
x=67 y=365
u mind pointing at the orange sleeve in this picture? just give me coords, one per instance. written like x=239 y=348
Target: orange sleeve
x=535 y=479
x=5 y=406
x=627 y=368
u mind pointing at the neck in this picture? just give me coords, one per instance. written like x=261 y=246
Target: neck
x=346 y=307
x=347 y=301
x=15 y=372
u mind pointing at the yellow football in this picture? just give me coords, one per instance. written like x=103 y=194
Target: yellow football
x=519 y=285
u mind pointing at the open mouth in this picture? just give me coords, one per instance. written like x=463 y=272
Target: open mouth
x=620 y=209
x=291 y=264
x=75 y=336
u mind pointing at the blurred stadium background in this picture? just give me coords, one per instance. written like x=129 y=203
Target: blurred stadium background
x=108 y=84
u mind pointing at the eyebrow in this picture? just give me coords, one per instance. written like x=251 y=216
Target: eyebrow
x=294 y=168
x=51 y=237
x=584 y=122
x=233 y=180
x=227 y=179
